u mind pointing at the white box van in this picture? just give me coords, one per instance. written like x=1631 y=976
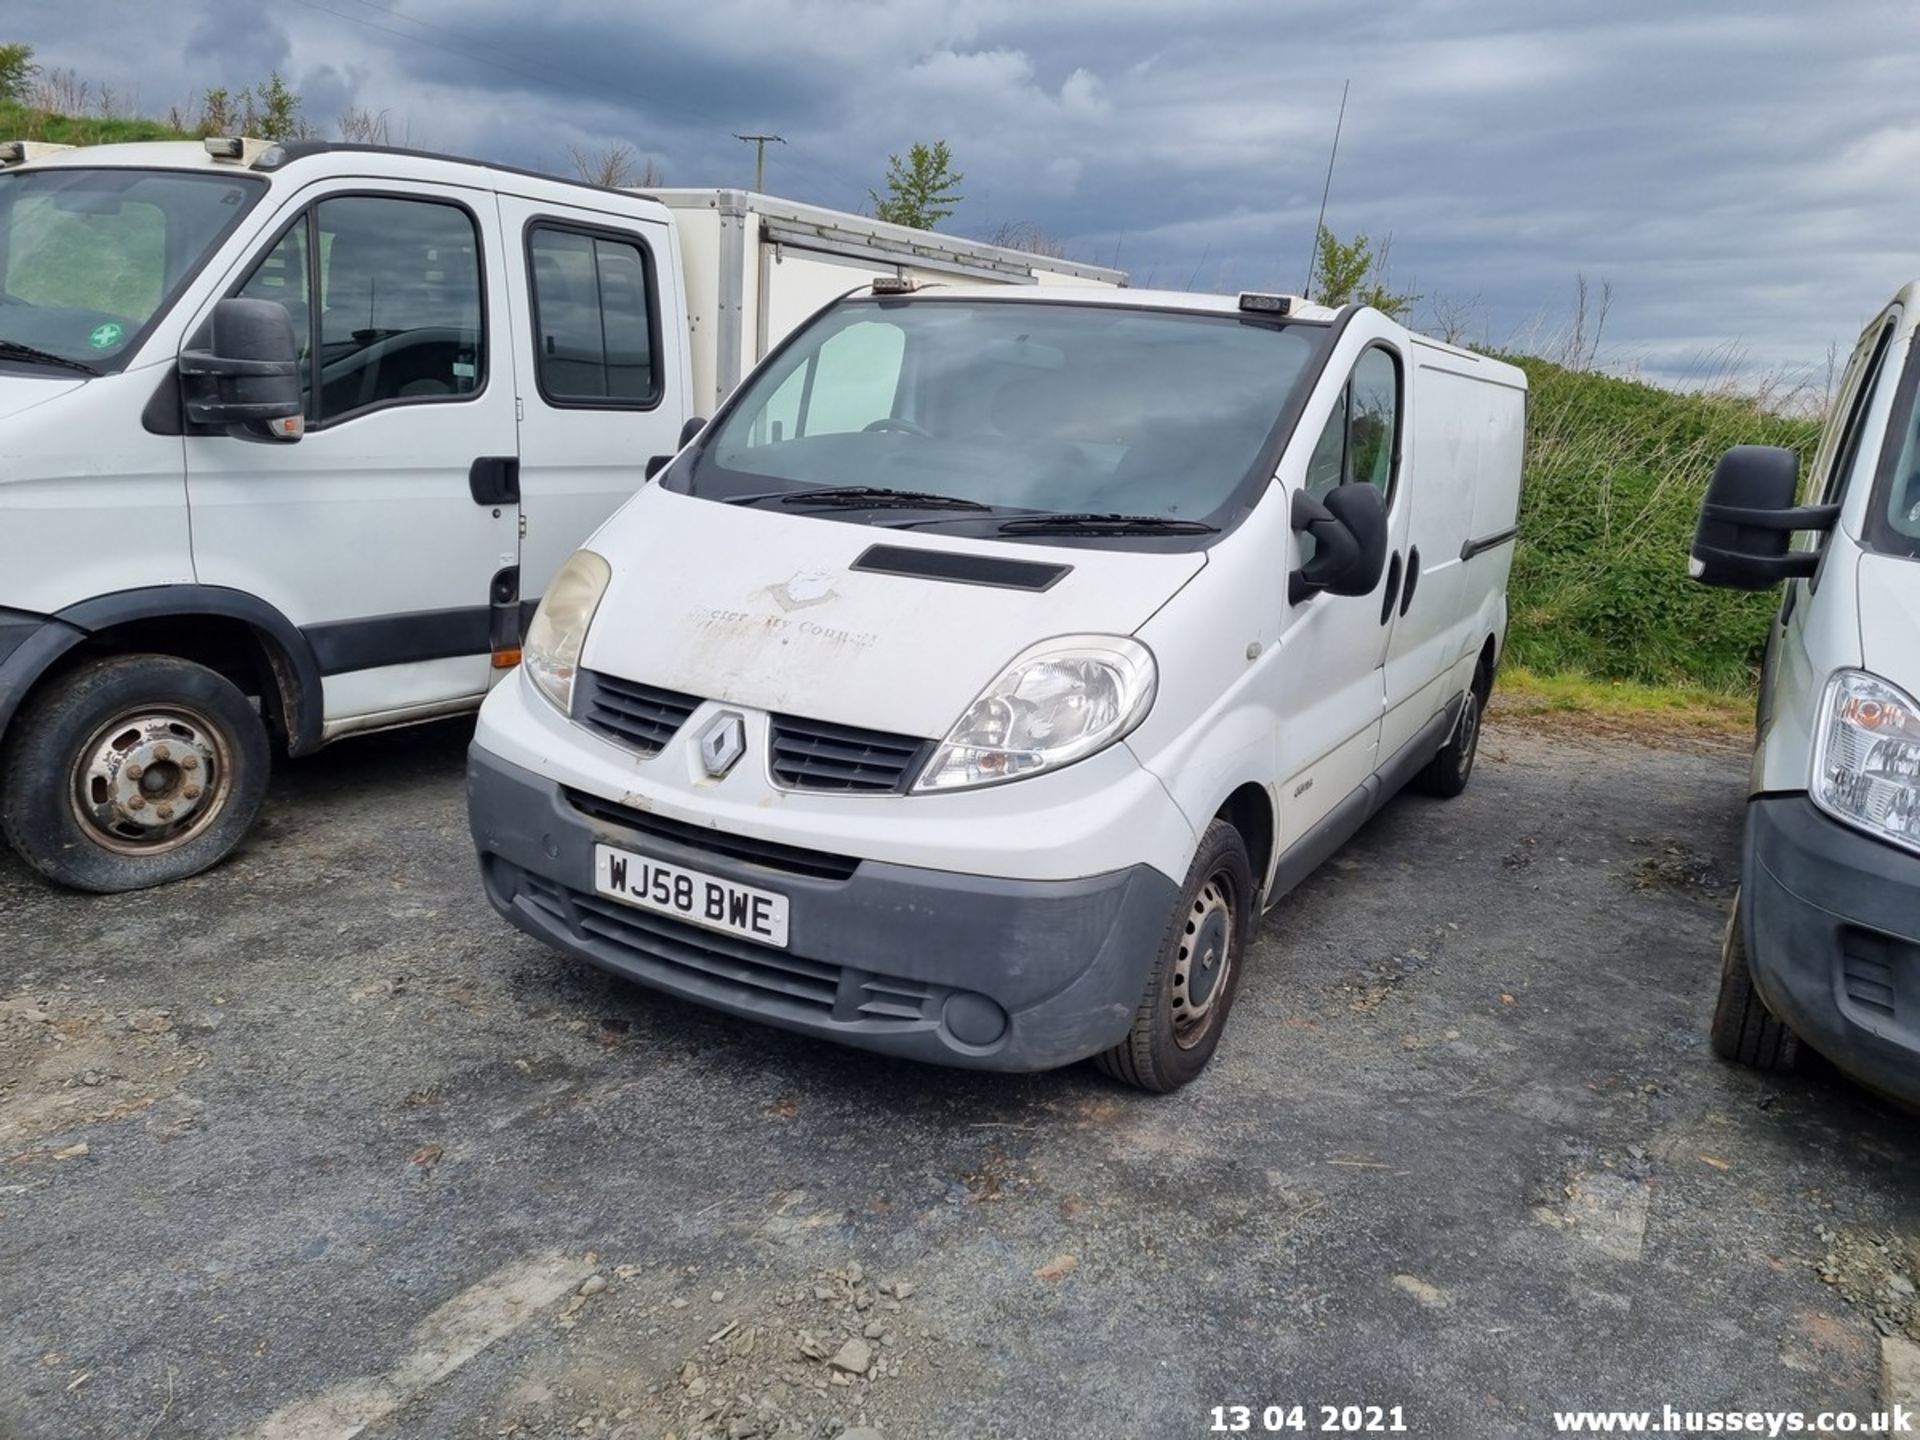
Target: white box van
x=476 y=363
x=1823 y=942
x=971 y=683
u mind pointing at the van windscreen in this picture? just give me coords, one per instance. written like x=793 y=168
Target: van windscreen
x=88 y=257
x=1019 y=407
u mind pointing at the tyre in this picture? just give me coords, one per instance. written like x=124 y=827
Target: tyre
x=1197 y=973
x=132 y=771
x=1446 y=775
x=1744 y=1030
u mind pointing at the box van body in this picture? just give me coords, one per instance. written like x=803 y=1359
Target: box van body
x=498 y=356
x=1823 y=943
x=969 y=686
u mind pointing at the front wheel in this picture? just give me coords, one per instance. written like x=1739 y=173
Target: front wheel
x=1447 y=773
x=1197 y=973
x=132 y=771
x=1744 y=1029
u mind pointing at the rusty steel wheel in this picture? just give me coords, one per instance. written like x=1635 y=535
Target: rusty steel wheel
x=131 y=771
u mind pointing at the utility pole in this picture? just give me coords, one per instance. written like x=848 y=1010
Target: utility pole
x=1313 y=255
x=759 y=143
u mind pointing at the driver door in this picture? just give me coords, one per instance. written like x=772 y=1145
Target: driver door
x=377 y=533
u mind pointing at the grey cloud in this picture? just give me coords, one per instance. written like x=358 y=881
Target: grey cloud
x=1739 y=171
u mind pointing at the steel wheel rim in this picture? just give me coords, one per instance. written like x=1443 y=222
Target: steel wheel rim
x=1203 y=964
x=151 y=779
x=1469 y=741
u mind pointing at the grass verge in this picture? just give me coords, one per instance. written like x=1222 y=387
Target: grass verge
x=1579 y=704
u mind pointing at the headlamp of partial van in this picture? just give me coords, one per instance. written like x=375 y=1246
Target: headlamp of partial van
x=1866 y=767
x=551 y=653
x=1058 y=702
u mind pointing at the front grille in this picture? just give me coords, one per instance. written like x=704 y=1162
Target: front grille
x=816 y=755
x=792 y=859
x=670 y=950
x=641 y=717
x=1867 y=968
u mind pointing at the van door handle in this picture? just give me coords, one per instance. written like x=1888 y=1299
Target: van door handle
x=1413 y=578
x=1393 y=588
x=495 y=480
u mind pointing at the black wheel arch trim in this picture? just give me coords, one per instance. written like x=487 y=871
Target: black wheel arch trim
x=296 y=672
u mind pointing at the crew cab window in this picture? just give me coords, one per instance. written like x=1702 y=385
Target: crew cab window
x=593 y=317
x=399 y=318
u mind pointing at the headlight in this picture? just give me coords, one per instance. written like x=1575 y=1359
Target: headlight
x=1866 y=768
x=551 y=653
x=1058 y=702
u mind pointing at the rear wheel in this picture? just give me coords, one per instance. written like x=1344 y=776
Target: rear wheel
x=1744 y=1029
x=132 y=771
x=1197 y=974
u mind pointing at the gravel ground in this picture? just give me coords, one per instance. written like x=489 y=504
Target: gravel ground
x=316 y=1146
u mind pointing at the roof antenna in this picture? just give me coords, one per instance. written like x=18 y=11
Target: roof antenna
x=1320 y=222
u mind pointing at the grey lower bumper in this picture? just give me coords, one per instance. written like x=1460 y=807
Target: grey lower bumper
x=1832 y=920
x=955 y=969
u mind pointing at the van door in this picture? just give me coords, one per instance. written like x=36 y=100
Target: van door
x=1448 y=428
x=1333 y=686
x=603 y=388
x=380 y=532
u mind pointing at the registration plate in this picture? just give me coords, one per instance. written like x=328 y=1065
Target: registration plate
x=691 y=895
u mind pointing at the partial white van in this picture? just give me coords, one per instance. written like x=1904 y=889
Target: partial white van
x=292 y=437
x=970 y=685
x=1823 y=940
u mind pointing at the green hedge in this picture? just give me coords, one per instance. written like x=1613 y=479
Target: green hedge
x=1614 y=476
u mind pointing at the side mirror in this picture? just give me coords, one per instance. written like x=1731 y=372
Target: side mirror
x=695 y=424
x=1748 y=519
x=1349 y=529
x=246 y=378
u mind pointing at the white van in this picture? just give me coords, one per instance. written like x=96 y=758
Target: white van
x=1823 y=940
x=970 y=684
x=498 y=355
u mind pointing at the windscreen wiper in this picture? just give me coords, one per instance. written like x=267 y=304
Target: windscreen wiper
x=862 y=497
x=1093 y=524
x=14 y=350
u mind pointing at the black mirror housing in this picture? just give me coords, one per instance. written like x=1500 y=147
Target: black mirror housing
x=246 y=378
x=1350 y=535
x=1744 y=538
x=695 y=424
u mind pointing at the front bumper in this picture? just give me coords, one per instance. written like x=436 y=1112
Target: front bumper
x=1832 y=922
x=956 y=969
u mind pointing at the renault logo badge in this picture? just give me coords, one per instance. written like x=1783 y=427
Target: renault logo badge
x=723 y=742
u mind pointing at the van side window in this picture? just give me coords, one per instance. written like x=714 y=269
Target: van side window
x=1374 y=409
x=400 y=317
x=282 y=276
x=1847 y=450
x=593 y=317
x=1359 y=440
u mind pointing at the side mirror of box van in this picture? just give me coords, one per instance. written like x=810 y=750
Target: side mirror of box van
x=695 y=424
x=245 y=378
x=1349 y=530
x=1748 y=518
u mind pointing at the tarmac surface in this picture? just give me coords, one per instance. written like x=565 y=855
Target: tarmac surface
x=315 y=1145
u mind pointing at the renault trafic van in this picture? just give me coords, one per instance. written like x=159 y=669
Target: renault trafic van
x=1823 y=940
x=971 y=683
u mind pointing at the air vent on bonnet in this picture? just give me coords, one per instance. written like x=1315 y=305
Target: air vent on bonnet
x=959 y=568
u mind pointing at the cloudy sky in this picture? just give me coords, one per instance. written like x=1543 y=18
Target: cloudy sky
x=1742 y=175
